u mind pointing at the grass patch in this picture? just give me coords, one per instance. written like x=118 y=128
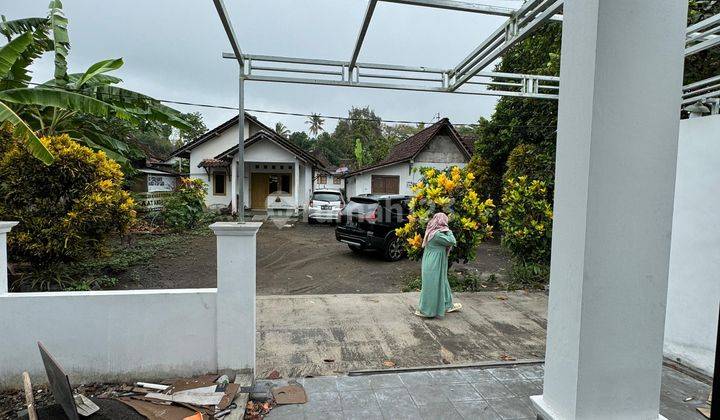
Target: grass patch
x=467 y=282
x=103 y=272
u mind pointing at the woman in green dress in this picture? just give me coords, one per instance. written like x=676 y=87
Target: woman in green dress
x=435 y=295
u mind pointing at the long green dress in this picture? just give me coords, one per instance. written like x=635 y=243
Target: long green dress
x=435 y=296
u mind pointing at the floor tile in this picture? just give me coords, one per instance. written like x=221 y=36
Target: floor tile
x=477 y=375
x=323 y=401
x=524 y=388
x=391 y=380
x=367 y=414
x=531 y=371
x=476 y=410
x=397 y=403
x=353 y=383
x=321 y=384
x=290 y=411
x=506 y=374
x=511 y=408
x=446 y=376
x=424 y=395
x=358 y=400
x=444 y=411
x=492 y=390
x=324 y=415
x=389 y=397
x=460 y=392
x=415 y=378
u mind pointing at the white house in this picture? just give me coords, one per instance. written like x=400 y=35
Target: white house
x=278 y=174
x=438 y=146
x=333 y=178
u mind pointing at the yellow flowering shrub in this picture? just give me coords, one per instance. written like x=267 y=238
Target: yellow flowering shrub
x=66 y=210
x=456 y=192
x=526 y=220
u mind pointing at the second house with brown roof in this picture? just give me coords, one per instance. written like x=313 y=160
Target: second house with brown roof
x=438 y=146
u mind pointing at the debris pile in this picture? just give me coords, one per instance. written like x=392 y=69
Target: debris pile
x=205 y=397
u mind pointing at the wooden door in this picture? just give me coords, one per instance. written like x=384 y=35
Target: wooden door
x=385 y=184
x=259 y=191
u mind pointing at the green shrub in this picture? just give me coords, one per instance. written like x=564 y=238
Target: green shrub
x=185 y=207
x=526 y=221
x=528 y=274
x=454 y=192
x=534 y=162
x=66 y=210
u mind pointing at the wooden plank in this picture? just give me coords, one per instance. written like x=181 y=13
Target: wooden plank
x=29 y=398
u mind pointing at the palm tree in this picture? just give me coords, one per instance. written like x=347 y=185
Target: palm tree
x=281 y=129
x=316 y=123
x=63 y=104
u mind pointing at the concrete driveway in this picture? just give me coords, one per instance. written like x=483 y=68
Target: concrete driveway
x=330 y=334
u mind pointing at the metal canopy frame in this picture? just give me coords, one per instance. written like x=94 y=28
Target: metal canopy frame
x=468 y=77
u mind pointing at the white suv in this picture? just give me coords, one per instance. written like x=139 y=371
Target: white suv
x=325 y=206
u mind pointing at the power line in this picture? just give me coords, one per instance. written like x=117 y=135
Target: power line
x=299 y=114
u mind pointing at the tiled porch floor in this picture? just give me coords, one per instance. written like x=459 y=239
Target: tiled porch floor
x=467 y=393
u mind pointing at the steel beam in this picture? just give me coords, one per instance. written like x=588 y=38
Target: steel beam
x=363 y=30
x=459 y=6
x=515 y=29
x=388 y=86
x=229 y=31
x=703 y=35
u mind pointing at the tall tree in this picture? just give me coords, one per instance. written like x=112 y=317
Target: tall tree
x=315 y=121
x=364 y=125
x=281 y=129
x=302 y=140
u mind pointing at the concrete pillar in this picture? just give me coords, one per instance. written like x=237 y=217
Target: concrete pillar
x=234 y=184
x=5 y=228
x=296 y=185
x=621 y=71
x=236 y=294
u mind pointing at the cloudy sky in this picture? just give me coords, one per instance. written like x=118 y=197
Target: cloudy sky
x=172 y=50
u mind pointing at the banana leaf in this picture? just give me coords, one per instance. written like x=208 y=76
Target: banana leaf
x=25 y=134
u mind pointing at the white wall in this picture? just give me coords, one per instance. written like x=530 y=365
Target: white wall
x=108 y=336
x=362 y=184
x=329 y=183
x=694 y=283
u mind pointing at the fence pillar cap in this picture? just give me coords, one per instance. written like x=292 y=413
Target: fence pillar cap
x=235 y=229
x=6 y=226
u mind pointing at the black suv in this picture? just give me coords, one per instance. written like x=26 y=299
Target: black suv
x=369 y=222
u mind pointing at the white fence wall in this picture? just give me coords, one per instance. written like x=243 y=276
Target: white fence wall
x=113 y=335
x=694 y=279
x=138 y=334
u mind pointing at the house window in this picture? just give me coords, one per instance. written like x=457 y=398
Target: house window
x=384 y=184
x=219 y=183
x=322 y=179
x=280 y=183
x=336 y=181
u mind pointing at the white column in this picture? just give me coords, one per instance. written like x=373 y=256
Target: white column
x=234 y=184
x=5 y=228
x=236 y=294
x=622 y=66
x=296 y=184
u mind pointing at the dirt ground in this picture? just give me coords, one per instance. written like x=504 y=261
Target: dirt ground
x=303 y=259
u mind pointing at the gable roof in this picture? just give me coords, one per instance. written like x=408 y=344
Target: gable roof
x=279 y=140
x=183 y=151
x=408 y=149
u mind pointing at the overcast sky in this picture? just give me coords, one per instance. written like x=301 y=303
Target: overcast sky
x=172 y=50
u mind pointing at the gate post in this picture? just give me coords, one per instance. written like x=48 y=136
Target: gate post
x=5 y=228
x=235 y=327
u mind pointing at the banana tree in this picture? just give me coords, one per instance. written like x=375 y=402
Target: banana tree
x=63 y=104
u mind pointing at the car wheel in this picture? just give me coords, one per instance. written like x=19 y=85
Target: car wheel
x=393 y=249
x=311 y=221
x=354 y=248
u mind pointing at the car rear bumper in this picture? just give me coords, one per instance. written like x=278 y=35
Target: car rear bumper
x=358 y=238
x=323 y=215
